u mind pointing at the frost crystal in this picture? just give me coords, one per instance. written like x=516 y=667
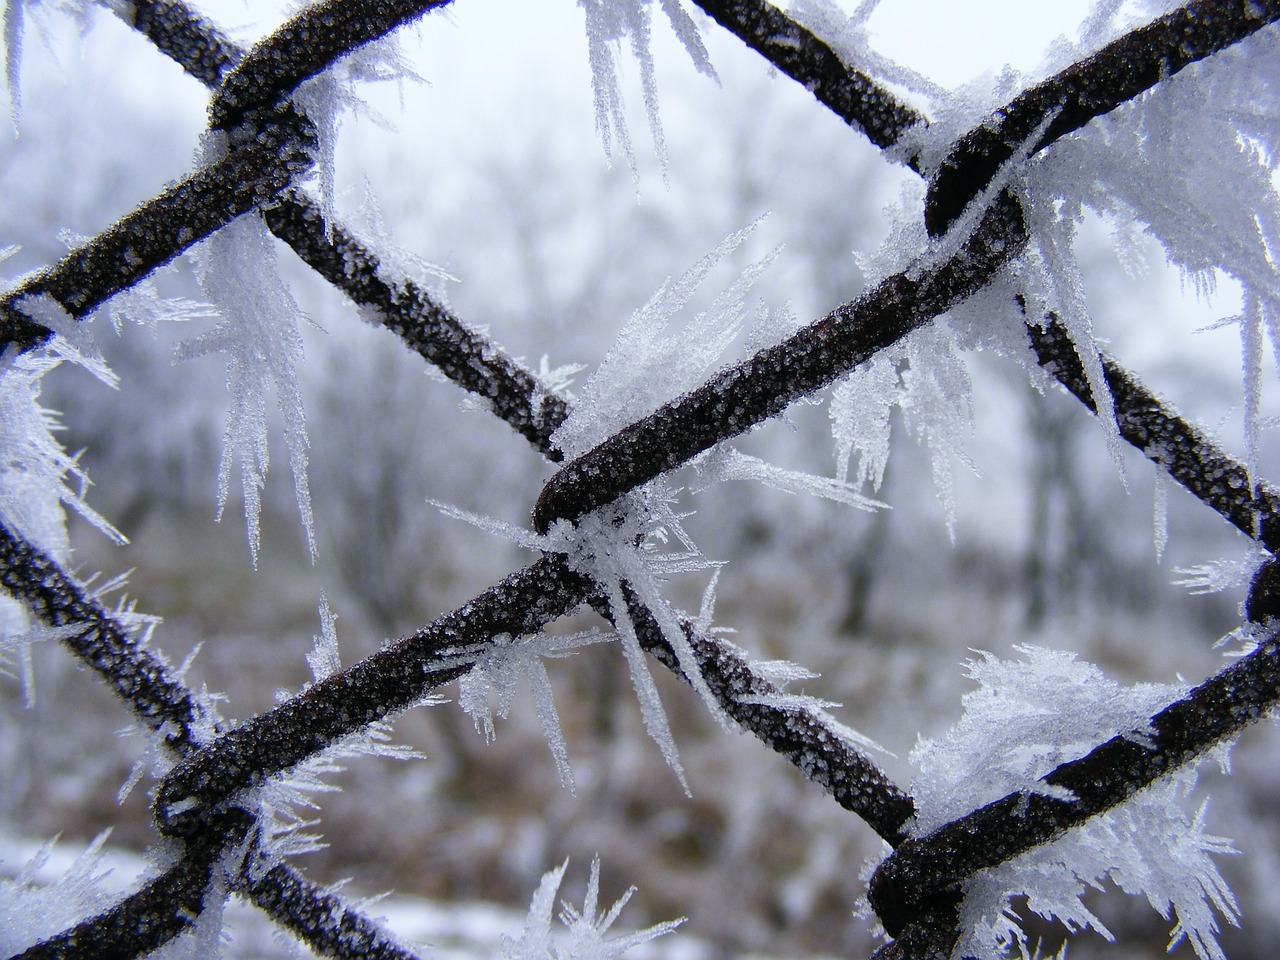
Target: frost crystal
x=1219 y=575
x=323 y=658
x=13 y=56
x=649 y=364
x=1028 y=717
x=621 y=548
x=609 y=23
x=585 y=936
x=783 y=672
x=724 y=463
x=34 y=912
x=924 y=377
x=328 y=96
x=35 y=470
x=488 y=690
x=1192 y=161
x=281 y=800
x=258 y=333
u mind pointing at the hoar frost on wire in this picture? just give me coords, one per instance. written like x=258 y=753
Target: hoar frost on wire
x=259 y=336
x=281 y=799
x=585 y=936
x=1192 y=162
x=35 y=911
x=924 y=377
x=36 y=473
x=38 y=478
x=632 y=545
x=488 y=689
x=1028 y=717
x=622 y=548
x=327 y=97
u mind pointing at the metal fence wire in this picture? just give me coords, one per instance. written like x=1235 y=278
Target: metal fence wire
x=270 y=144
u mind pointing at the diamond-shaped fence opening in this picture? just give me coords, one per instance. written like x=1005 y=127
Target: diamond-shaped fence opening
x=1068 y=782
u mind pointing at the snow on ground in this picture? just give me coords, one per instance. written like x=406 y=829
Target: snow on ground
x=467 y=931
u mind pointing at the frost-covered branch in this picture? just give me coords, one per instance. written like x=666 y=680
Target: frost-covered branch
x=924 y=878
x=304 y=46
x=252 y=172
x=137 y=676
x=748 y=393
x=1098 y=84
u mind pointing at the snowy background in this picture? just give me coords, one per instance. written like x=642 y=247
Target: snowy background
x=494 y=174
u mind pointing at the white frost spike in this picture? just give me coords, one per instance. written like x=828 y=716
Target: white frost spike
x=1192 y=163
x=72 y=339
x=647 y=366
x=280 y=799
x=655 y=717
x=396 y=264
x=1147 y=846
x=535 y=938
x=924 y=376
x=13 y=56
x=143 y=305
x=259 y=335
x=1251 y=356
x=34 y=911
x=617 y=548
x=36 y=473
x=323 y=658
x=586 y=935
x=1161 y=513
x=1026 y=718
x=497 y=667
x=328 y=96
x=609 y=23
x=724 y=463
x=1057 y=286
x=1219 y=575
x=861 y=405
x=19 y=645
x=783 y=672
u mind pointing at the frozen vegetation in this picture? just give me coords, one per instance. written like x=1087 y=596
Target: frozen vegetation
x=807 y=426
